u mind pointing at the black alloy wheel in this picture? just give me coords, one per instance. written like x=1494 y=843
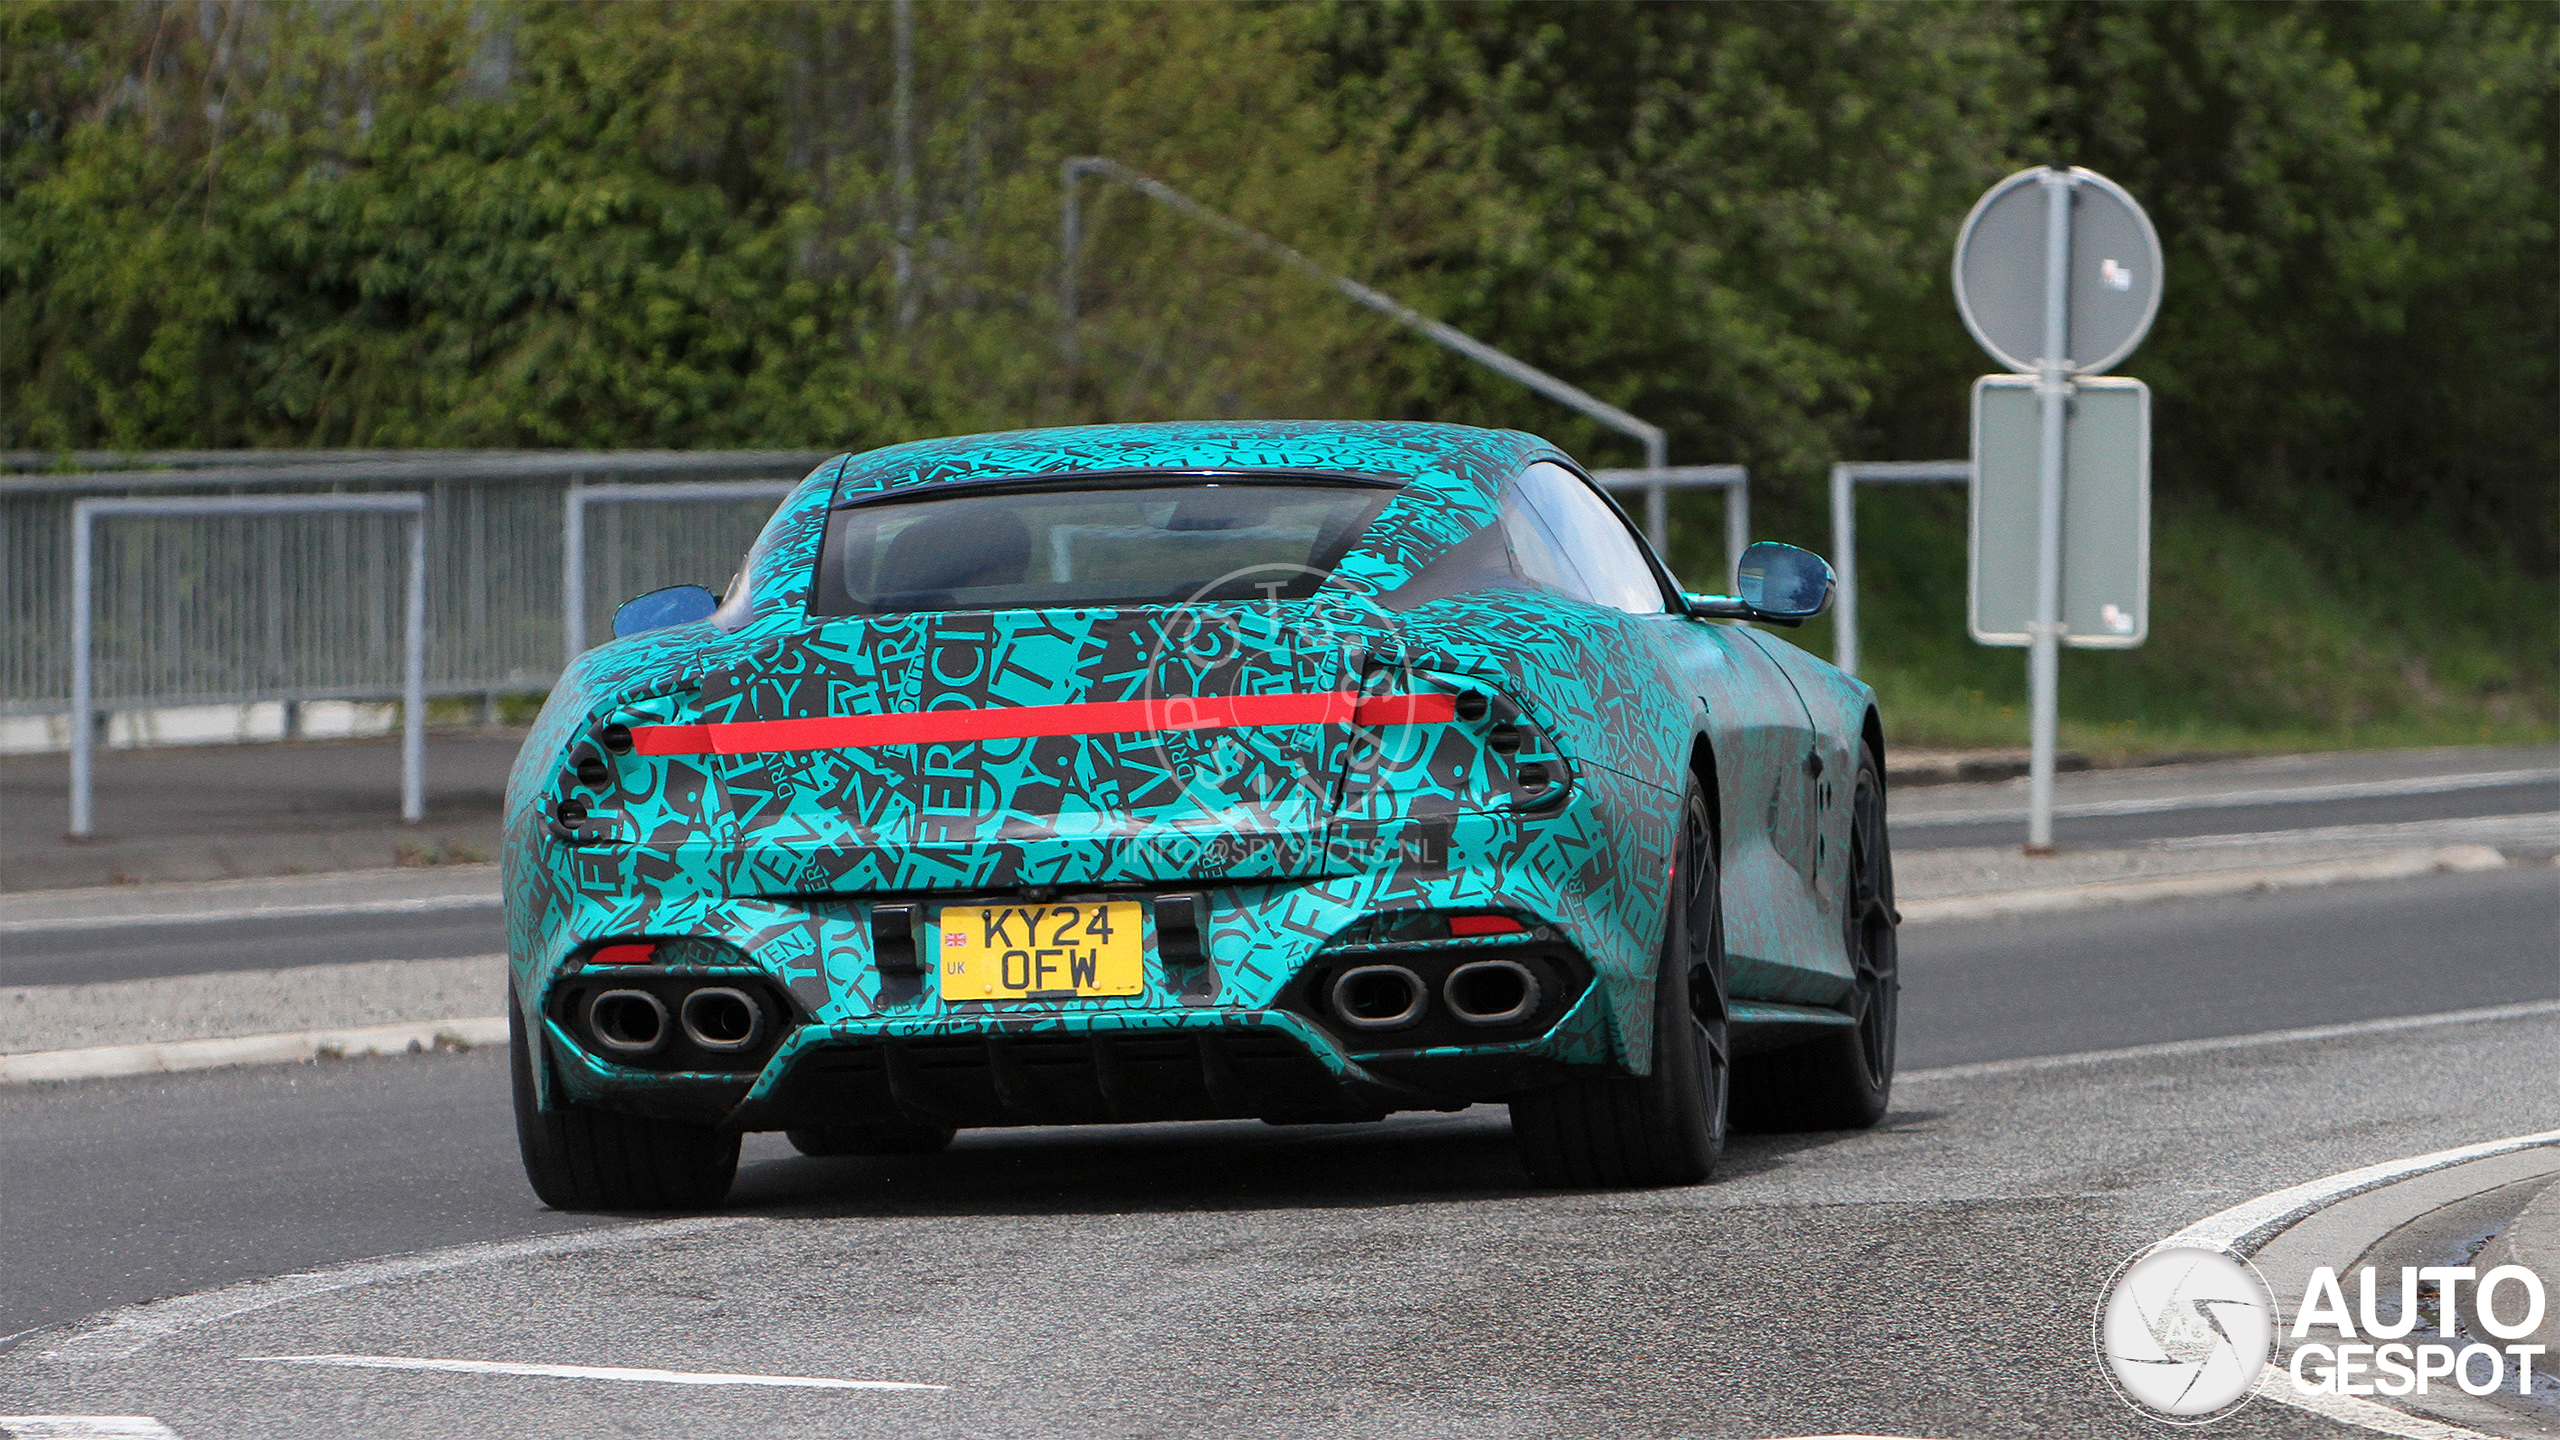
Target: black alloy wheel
x=1668 y=1127
x=581 y=1158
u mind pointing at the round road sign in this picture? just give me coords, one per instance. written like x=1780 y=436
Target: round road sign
x=2112 y=287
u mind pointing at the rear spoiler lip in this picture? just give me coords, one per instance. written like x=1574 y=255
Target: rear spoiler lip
x=1138 y=479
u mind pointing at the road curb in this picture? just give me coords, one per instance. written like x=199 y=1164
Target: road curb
x=2397 y=865
x=2532 y=1240
x=2252 y=1228
x=293 y=1047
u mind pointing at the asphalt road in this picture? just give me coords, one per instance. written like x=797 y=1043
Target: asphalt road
x=1930 y=1278
x=2142 y=975
x=121 y=1190
x=1933 y=1277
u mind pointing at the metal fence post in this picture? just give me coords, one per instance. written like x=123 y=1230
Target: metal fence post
x=1657 y=497
x=83 y=692
x=1844 y=565
x=1845 y=479
x=413 y=734
x=1737 y=530
x=573 y=574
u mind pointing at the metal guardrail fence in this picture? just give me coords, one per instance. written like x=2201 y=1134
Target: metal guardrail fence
x=182 y=624
x=229 y=605
x=1845 y=478
x=224 y=609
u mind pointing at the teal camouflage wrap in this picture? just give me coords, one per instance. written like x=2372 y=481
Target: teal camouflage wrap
x=1304 y=842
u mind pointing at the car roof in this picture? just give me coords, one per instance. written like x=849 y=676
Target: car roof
x=1454 y=460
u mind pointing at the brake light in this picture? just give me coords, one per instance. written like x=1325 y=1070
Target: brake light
x=625 y=955
x=1031 y=722
x=1461 y=926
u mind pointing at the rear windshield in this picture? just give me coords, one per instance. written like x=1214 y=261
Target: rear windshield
x=1147 y=542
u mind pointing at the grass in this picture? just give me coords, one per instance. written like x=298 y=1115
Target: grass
x=2335 y=634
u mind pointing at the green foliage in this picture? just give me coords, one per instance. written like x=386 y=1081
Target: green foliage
x=638 y=225
x=471 y=222
x=2360 y=205
x=1730 y=219
x=2258 y=640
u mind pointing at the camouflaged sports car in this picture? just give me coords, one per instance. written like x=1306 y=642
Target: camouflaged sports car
x=1300 y=771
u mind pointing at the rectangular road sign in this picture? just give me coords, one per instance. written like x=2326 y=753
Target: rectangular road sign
x=2106 y=512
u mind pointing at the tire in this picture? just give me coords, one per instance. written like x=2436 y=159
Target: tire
x=580 y=1158
x=892 y=1137
x=1844 y=1080
x=1666 y=1128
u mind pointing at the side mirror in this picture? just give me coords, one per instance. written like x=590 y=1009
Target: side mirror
x=660 y=608
x=1779 y=584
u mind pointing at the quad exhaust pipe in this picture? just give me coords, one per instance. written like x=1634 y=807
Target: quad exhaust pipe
x=628 y=1022
x=1391 y=997
x=1491 y=992
x=1378 y=997
x=720 y=1019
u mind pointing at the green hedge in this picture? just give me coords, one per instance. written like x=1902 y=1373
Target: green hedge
x=669 y=224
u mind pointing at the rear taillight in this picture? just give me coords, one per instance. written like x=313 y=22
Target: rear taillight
x=1461 y=926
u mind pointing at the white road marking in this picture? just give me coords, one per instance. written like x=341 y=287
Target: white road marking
x=2247 y=1227
x=2170 y=1048
x=84 y=1427
x=592 y=1372
x=252 y=912
x=128 y=1330
x=2227 y=799
x=2540 y=828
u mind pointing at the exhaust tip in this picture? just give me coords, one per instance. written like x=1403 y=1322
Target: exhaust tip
x=722 y=1019
x=627 y=1022
x=1378 y=997
x=1491 y=992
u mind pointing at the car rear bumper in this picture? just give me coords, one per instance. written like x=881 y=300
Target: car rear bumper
x=1103 y=1067
x=1245 y=1026
x=1091 y=1067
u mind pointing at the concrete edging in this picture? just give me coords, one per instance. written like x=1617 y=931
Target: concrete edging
x=2248 y=1228
x=290 y=1048
x=2532 y=1240
x=2397 y=865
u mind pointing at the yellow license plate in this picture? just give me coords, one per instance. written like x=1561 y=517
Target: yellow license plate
x=1042 y=952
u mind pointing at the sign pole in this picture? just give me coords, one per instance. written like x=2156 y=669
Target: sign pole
x=2050 y=319
x=2053 y=392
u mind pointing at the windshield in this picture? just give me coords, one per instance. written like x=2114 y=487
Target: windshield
x=1141 y=542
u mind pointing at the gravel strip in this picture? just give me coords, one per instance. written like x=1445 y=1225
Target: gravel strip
x=249 y=1002
x=1997 y=869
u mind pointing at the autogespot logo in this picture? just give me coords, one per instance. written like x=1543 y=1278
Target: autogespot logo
x=2184 y=1332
